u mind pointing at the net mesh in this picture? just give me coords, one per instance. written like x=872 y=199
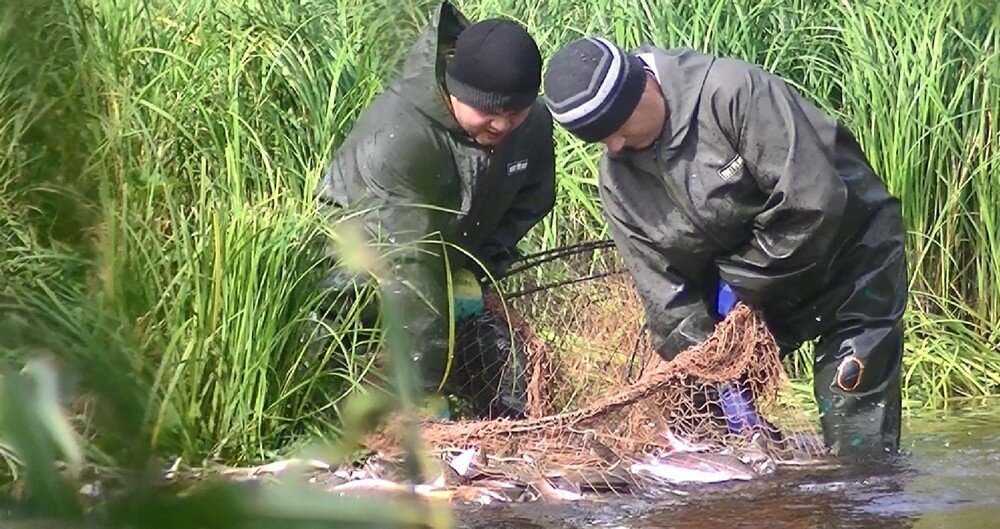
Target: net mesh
x=503 y=367
x=597 y=393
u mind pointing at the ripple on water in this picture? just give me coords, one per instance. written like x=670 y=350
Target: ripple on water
x=949 y=477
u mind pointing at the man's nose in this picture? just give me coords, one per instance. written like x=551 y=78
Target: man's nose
x=501 y=124
x=615 y=143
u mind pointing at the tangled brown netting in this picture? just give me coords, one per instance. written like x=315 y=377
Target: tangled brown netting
x=597 y=393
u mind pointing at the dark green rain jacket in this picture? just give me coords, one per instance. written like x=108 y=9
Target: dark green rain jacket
x=419 y=177
x=751 y=184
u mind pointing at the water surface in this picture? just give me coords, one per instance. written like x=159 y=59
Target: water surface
x=948 y=476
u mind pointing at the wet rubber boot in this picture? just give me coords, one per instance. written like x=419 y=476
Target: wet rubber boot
x=857 y=387
x=857 y=320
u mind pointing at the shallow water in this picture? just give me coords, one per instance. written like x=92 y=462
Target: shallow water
x=948 y=476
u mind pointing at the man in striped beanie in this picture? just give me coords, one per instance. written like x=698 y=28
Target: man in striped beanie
x=717 y=172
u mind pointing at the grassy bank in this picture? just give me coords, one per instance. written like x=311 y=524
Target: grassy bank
x=158 y=160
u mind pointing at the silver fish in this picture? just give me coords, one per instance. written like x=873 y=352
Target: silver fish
x=679 y=444
x=383 y=486
x=552 y=493
x=690 y=467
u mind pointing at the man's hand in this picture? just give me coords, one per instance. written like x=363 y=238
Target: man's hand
x=436 y=407
x=725 y=300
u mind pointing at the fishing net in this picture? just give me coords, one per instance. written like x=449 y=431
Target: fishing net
x=597 y=393
x=501 y=366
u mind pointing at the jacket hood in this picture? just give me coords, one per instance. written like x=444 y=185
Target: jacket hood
x=421 y=81
x=681 y=73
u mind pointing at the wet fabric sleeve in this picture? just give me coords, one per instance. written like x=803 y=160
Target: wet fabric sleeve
x=397 y=177
x=533 y=202
x=793 y=164
x=676 y=305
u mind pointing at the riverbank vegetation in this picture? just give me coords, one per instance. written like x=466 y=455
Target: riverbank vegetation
x=159 y=240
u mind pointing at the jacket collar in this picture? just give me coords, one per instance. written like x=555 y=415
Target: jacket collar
x=681 y=74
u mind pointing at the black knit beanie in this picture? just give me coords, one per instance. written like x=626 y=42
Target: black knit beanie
x=592 y=87
x=496 y=67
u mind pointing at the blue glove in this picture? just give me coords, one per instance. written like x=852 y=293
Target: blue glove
x=725 y=301
x=741 y=415
x=736 y=404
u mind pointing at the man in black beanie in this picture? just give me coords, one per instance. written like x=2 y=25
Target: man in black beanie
x=717 y=172
x=459 y=151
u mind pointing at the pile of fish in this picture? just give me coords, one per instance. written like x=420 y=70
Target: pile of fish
x=467 y=476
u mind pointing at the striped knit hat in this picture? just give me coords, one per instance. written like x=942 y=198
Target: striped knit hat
x=592 y=87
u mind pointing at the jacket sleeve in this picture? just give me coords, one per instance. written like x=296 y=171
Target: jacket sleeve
x=676 y=304
x=793 y=164
x=398 y=176
x=533 y=202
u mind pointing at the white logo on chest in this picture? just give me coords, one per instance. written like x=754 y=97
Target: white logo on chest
x=518 y=166
x=732 y=168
